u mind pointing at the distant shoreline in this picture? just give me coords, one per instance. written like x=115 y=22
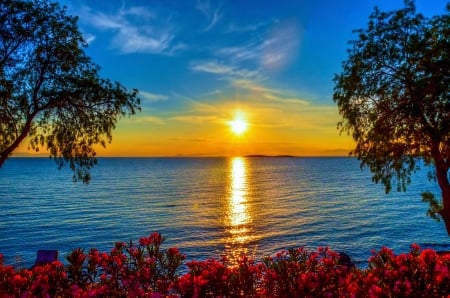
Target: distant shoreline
x=263 y=155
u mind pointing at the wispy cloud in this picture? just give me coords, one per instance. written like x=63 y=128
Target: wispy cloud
x=283 y=99
x=281 y=46
x=204 y=108
x=271 y=94
x=233 y=28
x=149 y=119
x=226 y=71
x=249 y=51
x=269 y=49
x=211 y=67
x=135 y=30
x=268 y=111
x=153 y=97
x=251 y=86
x=214 y=92
x=197 y=119
x=199 y=112
x=88 y=37
x=213 y=14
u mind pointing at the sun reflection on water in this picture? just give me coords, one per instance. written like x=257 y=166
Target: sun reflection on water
x=238 y=214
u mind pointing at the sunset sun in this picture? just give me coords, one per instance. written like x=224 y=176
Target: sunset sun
x=238 y=125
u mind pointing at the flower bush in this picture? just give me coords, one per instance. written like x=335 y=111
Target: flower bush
x=144 y=269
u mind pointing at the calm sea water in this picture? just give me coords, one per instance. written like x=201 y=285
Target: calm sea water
x=210 y=207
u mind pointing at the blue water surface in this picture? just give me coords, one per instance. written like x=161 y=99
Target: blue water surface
x=208 y=207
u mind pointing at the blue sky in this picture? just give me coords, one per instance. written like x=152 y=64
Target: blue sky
x=196 y=62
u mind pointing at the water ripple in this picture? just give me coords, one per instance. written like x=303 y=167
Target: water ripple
x=210 y=206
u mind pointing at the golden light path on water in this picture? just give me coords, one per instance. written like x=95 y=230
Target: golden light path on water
x=239 y=212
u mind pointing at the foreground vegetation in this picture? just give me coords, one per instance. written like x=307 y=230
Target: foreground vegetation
x=147 y=270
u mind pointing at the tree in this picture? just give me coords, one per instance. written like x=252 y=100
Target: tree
x=50 y=91
x=393 y=96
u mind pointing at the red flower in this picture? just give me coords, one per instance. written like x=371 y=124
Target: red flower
x=173 y=251
x=375 y=291
x=415 y=247
x=144 y=241
x=428 y=256
x=442 y=273
x=19 y=281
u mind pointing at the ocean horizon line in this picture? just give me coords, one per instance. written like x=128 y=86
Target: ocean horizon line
x=191 y=156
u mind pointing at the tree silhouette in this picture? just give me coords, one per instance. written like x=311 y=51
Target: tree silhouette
x=393 y=95
x=50 y=91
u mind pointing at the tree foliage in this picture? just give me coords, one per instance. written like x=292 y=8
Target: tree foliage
x=393 y=95
x=50 y=91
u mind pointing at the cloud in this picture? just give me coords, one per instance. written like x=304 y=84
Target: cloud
x=88 y=37
x=274 y=95
x=269 y=112
x=281 y=45
x=249 y=51
x=153 y=97
x=233 y=28
x=214 y=92
x=268 y=49
x=212 y=14
x=253 y=46
x=285 y=100
x=211 y=67
x=251 y=86
x=135 y=30
x=196 y=119
x=227 y=71
x=149 y=119
x=195 y=105
x=131 y=40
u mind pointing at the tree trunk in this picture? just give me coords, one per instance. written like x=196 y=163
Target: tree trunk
x=445 y=213
x=7 y=152
x=442 y=166
x=442 y=177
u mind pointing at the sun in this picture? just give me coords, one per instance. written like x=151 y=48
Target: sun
x=238 y=125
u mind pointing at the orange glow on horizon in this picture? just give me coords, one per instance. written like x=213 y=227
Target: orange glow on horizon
x=207 y=132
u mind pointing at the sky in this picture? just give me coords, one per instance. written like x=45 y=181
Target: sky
x=199 y=63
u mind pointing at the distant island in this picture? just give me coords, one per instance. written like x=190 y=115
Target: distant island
x=262 y=155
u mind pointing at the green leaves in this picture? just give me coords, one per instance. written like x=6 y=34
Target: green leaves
x=435 y=207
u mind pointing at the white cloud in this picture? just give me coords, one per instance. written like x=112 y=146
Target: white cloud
x=283 y=99
x=212 y=14
x=212 y=67
x=228 y=72
x=281 y=46
x=131 y=40
x=153 y=97
x=270 y=50
x=88 y=37
x=233 y=28
x=252 y=86
x=135 y=30
x=138 y=11
x=249 y=51
x=214 y=92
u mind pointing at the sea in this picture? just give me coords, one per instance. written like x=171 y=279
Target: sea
x=212 y=207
